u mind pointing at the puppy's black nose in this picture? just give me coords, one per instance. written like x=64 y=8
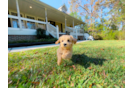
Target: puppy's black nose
x=65 y=44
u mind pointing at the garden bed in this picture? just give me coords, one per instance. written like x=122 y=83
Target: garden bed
x=30 y=43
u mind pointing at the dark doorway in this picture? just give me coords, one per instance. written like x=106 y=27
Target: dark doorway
x=52 y=22
x=61 y=28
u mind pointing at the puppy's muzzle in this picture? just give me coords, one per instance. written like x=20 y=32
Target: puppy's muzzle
x=65 y=44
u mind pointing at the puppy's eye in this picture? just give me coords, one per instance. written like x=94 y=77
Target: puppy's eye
x=68 y=40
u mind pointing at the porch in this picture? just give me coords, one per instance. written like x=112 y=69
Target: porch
x=25 y=21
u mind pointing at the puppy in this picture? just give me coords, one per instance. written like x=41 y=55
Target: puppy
x=65 y=49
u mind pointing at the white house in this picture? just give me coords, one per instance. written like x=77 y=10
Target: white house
x=25 y=16
x=63 y=8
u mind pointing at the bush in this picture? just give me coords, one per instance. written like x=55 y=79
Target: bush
x=109 y=35
x=120 y=35
x=97 y=37
x=41 y=33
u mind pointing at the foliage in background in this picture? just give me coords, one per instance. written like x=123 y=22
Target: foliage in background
x=108 y=35
x=101 y=15
x=75 y=14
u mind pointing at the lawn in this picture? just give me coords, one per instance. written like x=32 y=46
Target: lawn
x=95 y=64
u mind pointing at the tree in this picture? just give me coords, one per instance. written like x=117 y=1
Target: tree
x=93 y=10
x=75 y=14
x=86 y=8
x=103 y=18
x=117 y=12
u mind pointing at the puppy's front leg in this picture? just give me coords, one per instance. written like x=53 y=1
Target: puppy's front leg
x=59 y=60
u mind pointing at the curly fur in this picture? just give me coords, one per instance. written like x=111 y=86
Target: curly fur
x=65 y=49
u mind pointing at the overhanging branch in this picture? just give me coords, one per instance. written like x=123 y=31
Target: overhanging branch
x=84 y=9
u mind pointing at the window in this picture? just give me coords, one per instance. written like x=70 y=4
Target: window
x=40 y=20
x=30 y=17
x=15 y=22
x=41 y=25
x=52 y=22
x=30 y=25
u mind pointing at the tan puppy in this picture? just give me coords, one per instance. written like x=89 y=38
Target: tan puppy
x=65 y=49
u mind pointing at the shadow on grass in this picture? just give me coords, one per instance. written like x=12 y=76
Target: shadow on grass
x=85 y=61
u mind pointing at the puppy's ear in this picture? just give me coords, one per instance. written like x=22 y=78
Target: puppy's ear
x=58 y=41
x=74 y=40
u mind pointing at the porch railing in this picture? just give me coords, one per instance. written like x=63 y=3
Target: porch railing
x=70 y=29
x=26 y=19
x=54 y=31
x=24 y=30
x=75 y=32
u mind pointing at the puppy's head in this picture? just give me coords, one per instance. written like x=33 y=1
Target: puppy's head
x=66 y=41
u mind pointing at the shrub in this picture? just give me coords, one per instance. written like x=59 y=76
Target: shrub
x=120 y=35
x=97 y=37
x=41 y=33
x=109 y=35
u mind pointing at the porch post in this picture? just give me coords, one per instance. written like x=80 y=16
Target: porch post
x=65 y=24
x=73 y=26
x=73 y=23
x=18 y=12
x=46 y=14
x=76 y=34
x=46 y=18
x=57 y=31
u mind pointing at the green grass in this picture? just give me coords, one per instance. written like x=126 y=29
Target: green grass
x=96 y=64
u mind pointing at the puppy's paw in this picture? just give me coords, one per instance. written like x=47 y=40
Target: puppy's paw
x=58 y=63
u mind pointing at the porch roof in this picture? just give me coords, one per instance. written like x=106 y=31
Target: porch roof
x=38 y=9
